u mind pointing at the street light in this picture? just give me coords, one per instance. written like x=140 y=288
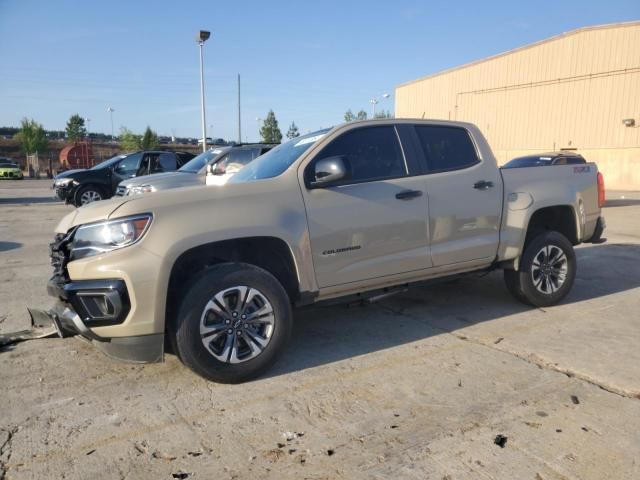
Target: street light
x=202 y=37
x=258 y=120
x=375 y=101
x=111 y=110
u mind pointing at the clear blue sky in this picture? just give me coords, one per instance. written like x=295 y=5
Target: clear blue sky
x=308 y=61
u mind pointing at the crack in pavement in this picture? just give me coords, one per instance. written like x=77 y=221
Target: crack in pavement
x=530 y=358
x=5 y=450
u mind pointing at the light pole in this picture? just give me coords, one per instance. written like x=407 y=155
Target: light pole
x=111 y=110
x=202 y=37
x=87 y=120
x=375 y=101
x=258 y=120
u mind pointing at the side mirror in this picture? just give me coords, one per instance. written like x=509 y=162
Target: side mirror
x=329 y=170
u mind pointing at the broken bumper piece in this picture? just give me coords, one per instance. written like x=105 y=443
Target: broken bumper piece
x=63 y=321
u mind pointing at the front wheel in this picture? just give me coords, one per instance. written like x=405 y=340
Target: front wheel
x=233 y=323
x=88 y=194
x=547 y=271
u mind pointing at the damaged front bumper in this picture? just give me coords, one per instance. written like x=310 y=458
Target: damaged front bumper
x=67 y=323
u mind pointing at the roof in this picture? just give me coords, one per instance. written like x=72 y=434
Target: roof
x=607 y=26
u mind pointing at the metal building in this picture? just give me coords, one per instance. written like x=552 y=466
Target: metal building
x=578 y=91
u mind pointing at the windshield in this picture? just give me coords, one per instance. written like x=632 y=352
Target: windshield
x=197 y=163
x=107 y=163
x=276 y=161
x=532 y=161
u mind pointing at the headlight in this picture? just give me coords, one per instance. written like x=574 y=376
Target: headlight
x=63 y=182
x=97 y=238
x=137 y=190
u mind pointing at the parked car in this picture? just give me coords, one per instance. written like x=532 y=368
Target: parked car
x=364 y=209
x=81 y=187
x=10 y=169
x=546 y=159
x=222 y=163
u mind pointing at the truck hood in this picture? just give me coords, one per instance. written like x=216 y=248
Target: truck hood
x=164 y=181
x=93 y=212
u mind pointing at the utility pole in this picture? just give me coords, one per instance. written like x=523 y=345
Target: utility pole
x=202 y=37
x=239 y=117
x=111 y=110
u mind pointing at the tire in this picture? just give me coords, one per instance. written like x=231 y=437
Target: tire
x=213 y=339
x=547 y=271
x=87 y=195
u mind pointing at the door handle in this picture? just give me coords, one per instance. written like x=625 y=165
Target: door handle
x=408 y=194
x=483 y=185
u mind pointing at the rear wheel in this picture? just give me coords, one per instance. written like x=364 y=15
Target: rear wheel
x=547 y=271
x=88 y=194
x=233 y=323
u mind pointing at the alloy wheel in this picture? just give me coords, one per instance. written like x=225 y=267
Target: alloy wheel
x=236 y=325
x=549 y=269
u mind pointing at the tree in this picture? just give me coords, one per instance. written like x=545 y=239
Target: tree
x=75 y=128
x=384 y=114
x=149 y=140
x=293 y=131
x=270 y=132
x=129 y=141
x=32 y=137
x=362 y=115
x=349 y=116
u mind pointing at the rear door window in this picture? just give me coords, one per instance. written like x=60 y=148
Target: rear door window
x=372 y=153
x=446 y=148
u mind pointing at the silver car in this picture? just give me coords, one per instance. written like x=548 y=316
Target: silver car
x=222 y=162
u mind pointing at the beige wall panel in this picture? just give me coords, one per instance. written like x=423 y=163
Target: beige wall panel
x=585 y=113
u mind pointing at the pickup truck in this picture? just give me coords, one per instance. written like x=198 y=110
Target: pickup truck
x=354 y=211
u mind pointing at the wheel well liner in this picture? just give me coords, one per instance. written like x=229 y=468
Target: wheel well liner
x=560 y=218
x=270 y=253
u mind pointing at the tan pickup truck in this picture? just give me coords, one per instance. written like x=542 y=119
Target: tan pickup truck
x=357 y=210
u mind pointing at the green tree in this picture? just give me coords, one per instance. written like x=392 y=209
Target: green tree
x=149 y=140
x=32 y=137
x=75 y=128
x=129 y=141
x=383 y=114
x=349 y=116
x=293 y=131
x=270 y=132
x=362 y=115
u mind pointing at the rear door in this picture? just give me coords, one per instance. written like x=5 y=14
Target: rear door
x=465 y=196
x=373 y=224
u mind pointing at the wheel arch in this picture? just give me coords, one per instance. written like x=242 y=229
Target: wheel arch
x=269 y=253
x=560 y=218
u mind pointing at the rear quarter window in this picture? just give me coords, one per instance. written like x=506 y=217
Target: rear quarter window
x=446 y=148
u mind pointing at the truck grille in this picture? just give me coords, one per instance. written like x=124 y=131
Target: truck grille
x=121 y=190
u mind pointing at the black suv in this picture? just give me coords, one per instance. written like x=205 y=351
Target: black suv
x=81 y=187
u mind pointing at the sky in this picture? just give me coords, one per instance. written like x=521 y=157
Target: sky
x=308 y=61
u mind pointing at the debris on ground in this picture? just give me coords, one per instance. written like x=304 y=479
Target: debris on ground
x=11 y=338
x=181 y=475
x=289 y=436
x=274 y=454
x=331 y=451
x=90 y=451
x=500 y=440
x=498 y=340
x=575 y=400
x=163 y=455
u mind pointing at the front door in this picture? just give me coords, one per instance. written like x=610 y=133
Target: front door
x=125 y=169
x=375 y=223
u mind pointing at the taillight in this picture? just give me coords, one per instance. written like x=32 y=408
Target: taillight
x=600 y=190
